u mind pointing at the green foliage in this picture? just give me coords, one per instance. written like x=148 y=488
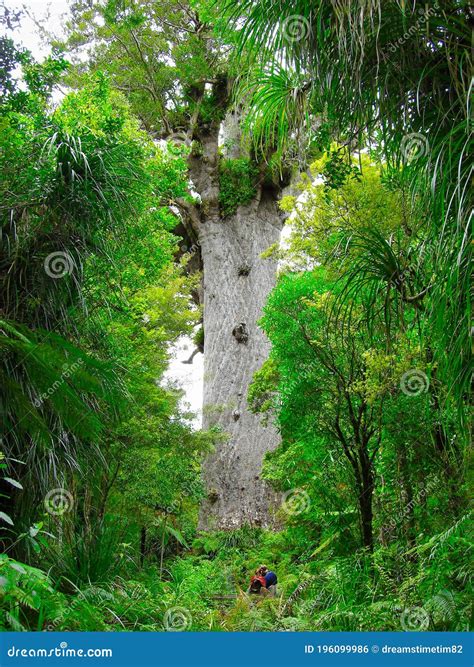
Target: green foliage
x=89 y=556
x=326 y=229
x=260 y=396
x=337 y=171
x=82 y=346
x=317 y=590
x=237 y=184
x=24 y=592
x=357 y=71
x=160 y=54
x=70 y=177
x=331 y=382
x=372 y=460
x=278 y=116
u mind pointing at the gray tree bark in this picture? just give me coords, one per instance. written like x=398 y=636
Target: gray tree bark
x=236 y=283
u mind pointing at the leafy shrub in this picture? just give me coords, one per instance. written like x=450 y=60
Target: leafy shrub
x=237 y=184
x=89 y=558
x=24 y=592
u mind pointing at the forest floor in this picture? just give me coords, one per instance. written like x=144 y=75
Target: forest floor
x=204 y=588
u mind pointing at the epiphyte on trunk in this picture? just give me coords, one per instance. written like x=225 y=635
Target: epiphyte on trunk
x=240 y=333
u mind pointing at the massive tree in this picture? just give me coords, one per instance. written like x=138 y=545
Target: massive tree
x=174 y=70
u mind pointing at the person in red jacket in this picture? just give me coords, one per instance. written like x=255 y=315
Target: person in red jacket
x=263 y=582
x=257 y=582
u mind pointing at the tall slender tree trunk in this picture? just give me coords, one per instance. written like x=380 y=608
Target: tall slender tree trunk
x=365 y=503
x=236 y=283
x=364 y=476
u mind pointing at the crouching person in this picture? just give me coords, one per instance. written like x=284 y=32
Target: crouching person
x=264 y=582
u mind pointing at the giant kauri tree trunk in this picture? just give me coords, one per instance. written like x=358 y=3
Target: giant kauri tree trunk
x=236 y=283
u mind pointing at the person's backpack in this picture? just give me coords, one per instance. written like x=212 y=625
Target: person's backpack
x=256 y=584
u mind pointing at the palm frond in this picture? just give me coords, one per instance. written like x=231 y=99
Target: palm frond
x=52 y=394
x=276 y=111
x=398 y=73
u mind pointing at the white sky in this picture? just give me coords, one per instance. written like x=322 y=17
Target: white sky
x=27 y=35
x=188 y=376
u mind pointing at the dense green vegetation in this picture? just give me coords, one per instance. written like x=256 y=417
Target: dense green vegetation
x=237 y=184
x=368 y=376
